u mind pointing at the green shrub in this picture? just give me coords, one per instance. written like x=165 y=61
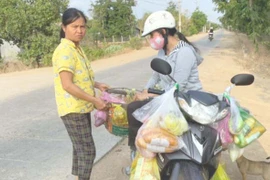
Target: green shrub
x=110 y=50
x=94 y=53
x=192 y=30
x=135 y=43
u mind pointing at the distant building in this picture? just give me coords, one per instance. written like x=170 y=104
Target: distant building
x=8 y=51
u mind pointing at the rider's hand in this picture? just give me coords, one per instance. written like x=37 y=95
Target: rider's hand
x=142 y=96
x=145 y=91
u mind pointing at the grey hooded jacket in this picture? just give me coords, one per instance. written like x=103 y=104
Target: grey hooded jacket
x=184 y=61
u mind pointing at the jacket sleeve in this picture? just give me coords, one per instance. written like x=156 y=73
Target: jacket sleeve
x=152 y=81
x=185 y=61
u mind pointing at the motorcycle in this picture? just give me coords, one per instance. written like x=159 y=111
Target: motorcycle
x=200 y=157
x=211 y=36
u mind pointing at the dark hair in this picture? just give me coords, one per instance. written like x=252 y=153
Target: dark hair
x=172 y=32
x=70 y=15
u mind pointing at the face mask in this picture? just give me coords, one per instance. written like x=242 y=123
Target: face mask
x=157 y=43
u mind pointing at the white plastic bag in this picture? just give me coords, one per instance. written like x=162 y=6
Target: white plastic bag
x=201 y=113
x=198 y=112
x=236 y=122
x=235 y=152
x=163 y=123
x=163 y=111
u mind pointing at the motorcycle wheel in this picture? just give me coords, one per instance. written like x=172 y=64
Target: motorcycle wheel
x=190 y=171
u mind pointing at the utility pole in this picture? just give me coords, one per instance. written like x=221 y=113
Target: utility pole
x=197 y=4
x=179 y=22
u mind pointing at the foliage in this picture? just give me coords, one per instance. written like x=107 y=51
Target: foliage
x=172 y=8
x=187 y=25
x=94 y=53
x=248 y=16
x=140 y=22
x=192 y=30
x=199 y=19
x=113 y=18
x=110 y=50
x=105 y=50
x=32 y=26
x=135 y=43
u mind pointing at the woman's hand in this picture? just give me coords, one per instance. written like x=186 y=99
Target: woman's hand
x=101 y=86
x=100 y=104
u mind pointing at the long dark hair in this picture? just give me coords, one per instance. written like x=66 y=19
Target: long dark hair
x=70 y=15
x=172 y=32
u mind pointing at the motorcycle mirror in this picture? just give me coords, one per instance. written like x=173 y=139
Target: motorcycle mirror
x=242 y=79
x=161 y=66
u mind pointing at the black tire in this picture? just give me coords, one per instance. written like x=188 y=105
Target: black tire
x=191 y=171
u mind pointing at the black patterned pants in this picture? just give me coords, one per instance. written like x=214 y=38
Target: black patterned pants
x=134 y=124
x=84 y=152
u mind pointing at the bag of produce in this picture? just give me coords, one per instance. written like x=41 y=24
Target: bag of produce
x=251 y=130
x=163 y=123
x=163 y=111
x=144 y=169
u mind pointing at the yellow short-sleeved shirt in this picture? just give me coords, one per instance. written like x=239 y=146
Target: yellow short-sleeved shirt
x=68 y=57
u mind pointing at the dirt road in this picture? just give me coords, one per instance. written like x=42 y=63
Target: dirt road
x=215 y=72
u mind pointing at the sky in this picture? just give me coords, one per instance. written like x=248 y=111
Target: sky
x=143 y=6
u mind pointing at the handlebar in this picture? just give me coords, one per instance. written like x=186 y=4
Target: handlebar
x=155 y=91
x=117 y=91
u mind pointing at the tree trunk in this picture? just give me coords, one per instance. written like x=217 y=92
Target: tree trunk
x=250 y=3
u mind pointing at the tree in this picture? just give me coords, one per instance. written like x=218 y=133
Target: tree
x=113 y=18
x=172 y=8
x=247 y=16
x=199 y=19
x=140 y=22
x=32 y=25
x=186 y=28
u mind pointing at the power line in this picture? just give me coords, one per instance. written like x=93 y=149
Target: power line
x=153 y=2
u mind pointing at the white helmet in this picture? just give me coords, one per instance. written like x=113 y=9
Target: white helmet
x=157 y=20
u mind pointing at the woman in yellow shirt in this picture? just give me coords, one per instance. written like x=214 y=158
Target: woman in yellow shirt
x=74 y=91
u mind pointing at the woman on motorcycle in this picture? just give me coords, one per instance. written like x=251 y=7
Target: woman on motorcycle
x=174 y=48
x=211 y=33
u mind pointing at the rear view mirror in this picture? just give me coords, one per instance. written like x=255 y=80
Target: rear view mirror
x=242 y=79
x=161 y=66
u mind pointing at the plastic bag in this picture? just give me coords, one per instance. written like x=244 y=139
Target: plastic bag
x=236 y=122
x=163 y=122
x=235 y=152
x=251 y=130
x=118 y=115
x=100 y=117
x=224 y=133
x=144 y=169
x=202 y=114
x=220 y=174
x=105 y=96
x=117 y=123
x=163 y=111
x=150 y=141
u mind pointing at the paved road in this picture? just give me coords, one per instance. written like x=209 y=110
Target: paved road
x=34 y=143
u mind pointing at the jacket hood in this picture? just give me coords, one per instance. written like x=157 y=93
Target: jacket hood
x=181 y=43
